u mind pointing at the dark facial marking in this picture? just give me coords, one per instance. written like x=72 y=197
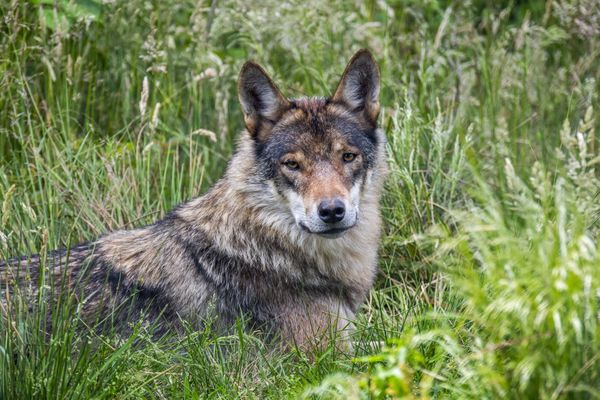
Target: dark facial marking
x=311 y=127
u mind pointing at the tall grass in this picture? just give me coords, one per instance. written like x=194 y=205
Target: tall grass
x=113 y=112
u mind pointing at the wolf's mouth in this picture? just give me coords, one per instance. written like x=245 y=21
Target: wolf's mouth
x=333 y=232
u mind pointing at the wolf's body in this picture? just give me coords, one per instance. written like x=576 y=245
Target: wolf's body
x=244 y=247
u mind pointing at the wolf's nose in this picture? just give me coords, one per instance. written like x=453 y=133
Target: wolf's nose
x=331 y=211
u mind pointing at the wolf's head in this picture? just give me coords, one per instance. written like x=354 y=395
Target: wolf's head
x=317 y=153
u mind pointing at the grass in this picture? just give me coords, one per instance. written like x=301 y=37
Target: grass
x=113 y=112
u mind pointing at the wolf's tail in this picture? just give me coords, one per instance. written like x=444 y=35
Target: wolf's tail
x=32 y=271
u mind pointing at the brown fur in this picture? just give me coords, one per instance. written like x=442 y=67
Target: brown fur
x=238 y=248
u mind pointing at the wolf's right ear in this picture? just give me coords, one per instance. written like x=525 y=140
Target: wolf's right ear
x=262 y=103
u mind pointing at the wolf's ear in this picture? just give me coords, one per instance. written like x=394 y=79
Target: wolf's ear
x=359 y=87
x=262 y=103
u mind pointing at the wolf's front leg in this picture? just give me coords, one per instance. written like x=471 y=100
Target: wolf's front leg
x=313 y=324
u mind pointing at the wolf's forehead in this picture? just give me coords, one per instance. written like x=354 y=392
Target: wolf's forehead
x=312 y=131
x=316 y=127
x=311 y=105
x=318 y=118
x=319 y=109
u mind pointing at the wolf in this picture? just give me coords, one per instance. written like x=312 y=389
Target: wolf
x=288 y=237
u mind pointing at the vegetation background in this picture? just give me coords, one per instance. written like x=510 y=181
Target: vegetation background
x=114 y=111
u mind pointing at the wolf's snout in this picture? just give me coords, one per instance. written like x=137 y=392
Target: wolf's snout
x=331 y=211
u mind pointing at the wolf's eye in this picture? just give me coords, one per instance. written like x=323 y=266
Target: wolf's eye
x=291 y=164
x=348 y=157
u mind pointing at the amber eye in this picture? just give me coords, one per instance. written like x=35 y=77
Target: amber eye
x=349 y=157
x=291 y=164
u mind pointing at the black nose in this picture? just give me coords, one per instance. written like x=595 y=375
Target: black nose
x=332 y=211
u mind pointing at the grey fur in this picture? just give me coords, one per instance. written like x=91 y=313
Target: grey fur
x=238 y=248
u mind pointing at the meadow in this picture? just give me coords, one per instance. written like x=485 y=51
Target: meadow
x=112 y=112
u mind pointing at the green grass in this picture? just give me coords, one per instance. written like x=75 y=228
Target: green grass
x=490 y=271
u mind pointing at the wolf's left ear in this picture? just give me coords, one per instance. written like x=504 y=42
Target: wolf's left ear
x=359 y=87
x=262 y=103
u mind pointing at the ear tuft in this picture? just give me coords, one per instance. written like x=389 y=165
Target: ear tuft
x=359 y=86
x=262 y=103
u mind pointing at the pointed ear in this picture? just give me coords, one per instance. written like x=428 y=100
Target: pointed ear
x=262 y=103
x=359 y=87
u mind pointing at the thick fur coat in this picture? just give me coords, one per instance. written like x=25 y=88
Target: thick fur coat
x=288 y=237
